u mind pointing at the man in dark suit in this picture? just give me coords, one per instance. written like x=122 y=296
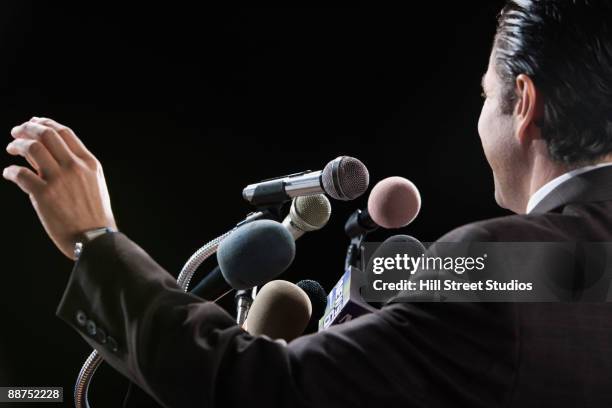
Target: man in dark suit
x=546 y=131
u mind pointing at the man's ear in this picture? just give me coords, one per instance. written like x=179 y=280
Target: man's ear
x=529 y=109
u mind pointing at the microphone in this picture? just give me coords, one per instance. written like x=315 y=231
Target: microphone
x=281 y=310
x=344 y=301
x=344 y=178
x=318 y=300
x=250 y=256
x=349 y=298
x=391 y=247
x=307 y=213
x=393 y=203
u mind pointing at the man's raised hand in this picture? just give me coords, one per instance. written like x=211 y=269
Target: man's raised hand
x=65 y=182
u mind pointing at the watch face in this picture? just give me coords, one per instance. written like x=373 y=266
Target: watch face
x=78 y=248
x=93 y=234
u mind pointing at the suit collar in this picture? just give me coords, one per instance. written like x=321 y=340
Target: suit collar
x=594 y=185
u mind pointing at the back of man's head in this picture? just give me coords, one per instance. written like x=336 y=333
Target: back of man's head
x=565 y=47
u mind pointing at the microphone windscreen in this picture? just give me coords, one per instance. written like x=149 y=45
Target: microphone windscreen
x=318 y=300
x=391 y=247
x=395 y=244
x=394 y=202
x=345 y=178
x=255 y=253
x=281 y=310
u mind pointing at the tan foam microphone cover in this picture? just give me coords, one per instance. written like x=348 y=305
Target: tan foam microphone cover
x=281 y=310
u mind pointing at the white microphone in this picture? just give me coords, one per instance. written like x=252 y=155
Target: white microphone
x=307 y=213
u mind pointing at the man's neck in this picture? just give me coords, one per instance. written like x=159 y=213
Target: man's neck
x=544 y=171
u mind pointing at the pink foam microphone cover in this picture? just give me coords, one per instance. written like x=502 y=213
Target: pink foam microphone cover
x=394 y=202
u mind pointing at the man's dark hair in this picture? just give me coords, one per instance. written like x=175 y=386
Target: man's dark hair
x=565 y=47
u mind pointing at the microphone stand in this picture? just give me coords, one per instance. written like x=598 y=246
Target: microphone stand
x=81 y=388
x=354 y=253
x=244 y=300
x=358 y=225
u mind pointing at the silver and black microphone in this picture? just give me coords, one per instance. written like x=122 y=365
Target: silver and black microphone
x=344 y=178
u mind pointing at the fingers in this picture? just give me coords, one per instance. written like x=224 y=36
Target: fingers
x=48 y=137
x=70 y=138
x=36 y=154
x=25 y=178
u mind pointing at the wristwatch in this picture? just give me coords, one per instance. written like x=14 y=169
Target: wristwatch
x=89 y=236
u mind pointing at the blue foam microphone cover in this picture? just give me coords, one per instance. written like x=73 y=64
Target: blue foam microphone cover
x=255 y=253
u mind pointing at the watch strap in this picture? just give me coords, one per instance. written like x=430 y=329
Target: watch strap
x=89 y=236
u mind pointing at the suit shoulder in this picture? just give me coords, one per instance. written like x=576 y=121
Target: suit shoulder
x=523 y=227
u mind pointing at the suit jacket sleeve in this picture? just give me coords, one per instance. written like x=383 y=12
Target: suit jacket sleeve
x=186 y=352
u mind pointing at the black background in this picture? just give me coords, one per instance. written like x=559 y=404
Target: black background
x=185 y=105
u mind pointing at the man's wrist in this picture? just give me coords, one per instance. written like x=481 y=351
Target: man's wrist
x=88 y=236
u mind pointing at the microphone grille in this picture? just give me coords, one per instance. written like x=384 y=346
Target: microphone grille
x=310 y=213
x=317 y=296
x=345 y=178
